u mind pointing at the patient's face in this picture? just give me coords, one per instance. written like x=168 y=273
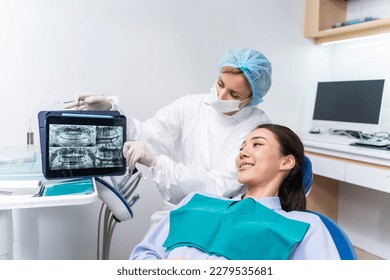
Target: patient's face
x=259 y=159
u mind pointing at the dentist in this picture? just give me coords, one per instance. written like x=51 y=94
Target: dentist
x=190 y=145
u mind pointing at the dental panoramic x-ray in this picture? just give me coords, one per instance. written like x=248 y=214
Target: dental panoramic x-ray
x=81 y=145
x=84 y=146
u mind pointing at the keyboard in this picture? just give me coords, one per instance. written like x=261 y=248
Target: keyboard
x=372 y=142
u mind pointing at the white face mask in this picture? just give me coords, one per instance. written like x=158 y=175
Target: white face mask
x=224 y=106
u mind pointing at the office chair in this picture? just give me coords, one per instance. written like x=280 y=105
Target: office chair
x=341 y=240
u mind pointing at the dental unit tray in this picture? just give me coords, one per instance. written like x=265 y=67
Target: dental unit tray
x=79 y=143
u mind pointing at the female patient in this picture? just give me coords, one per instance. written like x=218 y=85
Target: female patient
x=267 y=222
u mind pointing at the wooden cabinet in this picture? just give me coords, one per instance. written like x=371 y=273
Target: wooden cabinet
x=321 y=15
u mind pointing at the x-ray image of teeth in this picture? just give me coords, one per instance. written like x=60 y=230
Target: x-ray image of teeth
x=72 y=136
x=85 y=146
x=71 y=158
x=109 y=158
x=109 y=138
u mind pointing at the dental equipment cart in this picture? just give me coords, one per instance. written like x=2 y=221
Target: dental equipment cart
x=20 y=188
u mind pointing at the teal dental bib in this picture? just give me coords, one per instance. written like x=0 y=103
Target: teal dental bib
x=237 y=230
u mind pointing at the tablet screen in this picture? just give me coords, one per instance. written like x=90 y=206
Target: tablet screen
x=84 y=146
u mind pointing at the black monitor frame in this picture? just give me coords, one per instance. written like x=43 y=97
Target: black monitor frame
x=349 y=104
x=89 y=151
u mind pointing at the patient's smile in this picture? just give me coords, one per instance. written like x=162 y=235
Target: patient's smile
x=246 y=165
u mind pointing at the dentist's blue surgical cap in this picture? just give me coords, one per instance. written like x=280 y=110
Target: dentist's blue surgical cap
x=255 y=67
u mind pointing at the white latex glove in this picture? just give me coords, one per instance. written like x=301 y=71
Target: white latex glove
x=90 y=101
x=136 y=151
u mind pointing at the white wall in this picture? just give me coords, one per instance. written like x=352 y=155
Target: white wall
x=373 y=8
x=148 y=53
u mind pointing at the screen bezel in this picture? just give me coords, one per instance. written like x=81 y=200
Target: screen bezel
x=83 y=120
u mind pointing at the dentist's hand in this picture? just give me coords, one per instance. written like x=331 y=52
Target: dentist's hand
x=136 y=151
x=90 y=101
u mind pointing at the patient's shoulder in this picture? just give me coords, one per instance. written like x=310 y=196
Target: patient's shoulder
x=192 y=194
x=303 y=216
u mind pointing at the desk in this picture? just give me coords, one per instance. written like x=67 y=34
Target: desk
x=22 y=181
x=334 y=161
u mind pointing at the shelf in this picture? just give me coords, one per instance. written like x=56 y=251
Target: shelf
x=322 y=14
x=370 y=28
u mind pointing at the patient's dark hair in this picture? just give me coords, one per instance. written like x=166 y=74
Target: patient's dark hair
x=291 y=192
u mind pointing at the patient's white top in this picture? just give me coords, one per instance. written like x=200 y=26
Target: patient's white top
x=316 y=245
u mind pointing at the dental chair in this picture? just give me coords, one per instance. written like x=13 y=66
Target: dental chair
x=341 y=240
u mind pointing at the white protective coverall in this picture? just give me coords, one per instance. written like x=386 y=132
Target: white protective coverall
x=195 y=147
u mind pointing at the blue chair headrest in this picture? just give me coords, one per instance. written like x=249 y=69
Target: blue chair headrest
x=307 y=174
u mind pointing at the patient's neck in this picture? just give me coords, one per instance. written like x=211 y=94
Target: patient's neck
x=260 y=192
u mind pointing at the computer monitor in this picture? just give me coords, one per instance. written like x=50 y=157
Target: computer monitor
x=349 y=105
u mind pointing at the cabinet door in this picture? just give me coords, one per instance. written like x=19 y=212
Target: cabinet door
x=369 y=176
x=328 y=167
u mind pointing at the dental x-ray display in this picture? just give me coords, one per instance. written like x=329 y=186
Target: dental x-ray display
x=84 y=146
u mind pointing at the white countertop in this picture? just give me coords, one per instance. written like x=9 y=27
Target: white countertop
x=339 y=146
x=20 y=182
x=23 y=192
